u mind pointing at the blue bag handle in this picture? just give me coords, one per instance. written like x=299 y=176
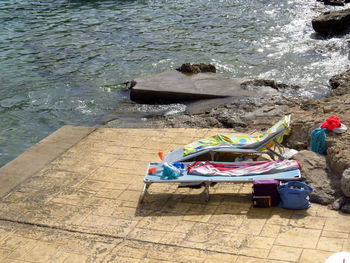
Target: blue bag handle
x=298 y=187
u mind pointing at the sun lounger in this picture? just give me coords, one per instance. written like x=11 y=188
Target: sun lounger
x=208 y=180
x=268 y=142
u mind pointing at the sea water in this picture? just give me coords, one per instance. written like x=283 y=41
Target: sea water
x=65 y=62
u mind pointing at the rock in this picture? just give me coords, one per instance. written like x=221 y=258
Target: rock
x=337 y=204
x=340 y=83
x=174 y=86
x=332 y=22
x=315 y=173
x=269 y=83
x=346 y=207
x=301 y=129
x=196 y=68
x=260 y=83
x=345 y=183
x=334 y=2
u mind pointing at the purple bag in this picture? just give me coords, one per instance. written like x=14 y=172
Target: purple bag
x=265 y=188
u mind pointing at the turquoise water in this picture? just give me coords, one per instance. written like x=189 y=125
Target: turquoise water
x=64 y=62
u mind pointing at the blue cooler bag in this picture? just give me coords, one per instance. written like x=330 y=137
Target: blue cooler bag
x=295 y=195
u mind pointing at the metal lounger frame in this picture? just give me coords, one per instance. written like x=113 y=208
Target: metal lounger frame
x=233 y=149
x=292 y=175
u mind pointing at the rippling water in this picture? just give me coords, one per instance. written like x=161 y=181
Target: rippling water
x=63 y=62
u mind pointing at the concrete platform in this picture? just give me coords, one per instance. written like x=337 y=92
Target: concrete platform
x=174 y=86
x=78 y=202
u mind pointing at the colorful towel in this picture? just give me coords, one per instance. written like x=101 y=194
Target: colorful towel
x=233 y=169
x=246 y=141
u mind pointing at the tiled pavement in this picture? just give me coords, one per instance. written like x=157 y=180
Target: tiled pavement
x=83 y=207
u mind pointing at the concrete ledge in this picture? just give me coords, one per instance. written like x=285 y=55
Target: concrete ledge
x=42 y=153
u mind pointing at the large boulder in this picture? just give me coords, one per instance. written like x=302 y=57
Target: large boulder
x=332 y=22
x=316 y=174
x=334 y=2
x=345 y=183
x=340 y=83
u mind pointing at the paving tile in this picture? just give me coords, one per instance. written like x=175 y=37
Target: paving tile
x=125 y=213
x=146 y=234
x=90 y=185
x=41 y=252
x=12 y=242
x=227 y=219
x=254 y=252
x=201 y=233
x=285 y=253
x=4 y=233
x=115 y=185
x=261 y=242
x=178 y=254
x=107 y=207
x=174 y=238
x=252 y=226
x=58 y=257
x=73 y=197
x=298 y=237
x=109 y=193
x=11 y=260
x=307 y=221
x=98 y=158
x=129 y=251
x=270 y=230
x=125 y=260
x=346 y=246
x=313 y=255
x=184 y=226
x=73 y=165
x=163 y=223
x=76 y=258
x=338 y=224
x=129 y=195
x=15 y=197
x=4 y=253
x=109 y=225
x=324 y=211
x=153 y=260
x=139 y=167
x=154 y=144
x=326 y=233
x=330 y=244
x=20 y=252
x=245 y=259
x=223 y=258
x=280 y=216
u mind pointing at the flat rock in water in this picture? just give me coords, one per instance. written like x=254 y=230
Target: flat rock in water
x=332 y=22
x=174 y=86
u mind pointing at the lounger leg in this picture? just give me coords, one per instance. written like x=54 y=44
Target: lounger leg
x=206 y=190
x=144 y=190
x=274 y=153
x=212 y=155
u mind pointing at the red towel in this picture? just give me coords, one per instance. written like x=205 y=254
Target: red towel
x=331 y=123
